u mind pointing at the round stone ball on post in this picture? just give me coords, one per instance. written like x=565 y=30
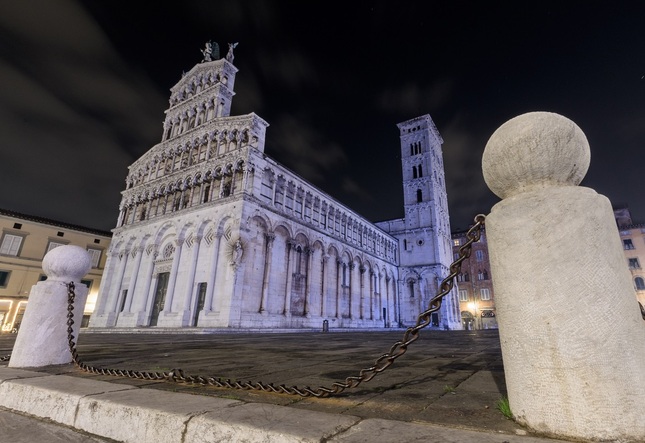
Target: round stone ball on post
x=42 y=338
x=573 y=339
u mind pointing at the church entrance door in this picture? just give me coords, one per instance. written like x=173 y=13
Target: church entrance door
x=201 y=298
x=160 y=297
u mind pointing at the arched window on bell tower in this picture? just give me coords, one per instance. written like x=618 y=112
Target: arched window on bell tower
x=419 y=196
x=414 y=172
x=420 y=171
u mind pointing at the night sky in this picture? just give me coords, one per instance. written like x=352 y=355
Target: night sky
x=84 y=86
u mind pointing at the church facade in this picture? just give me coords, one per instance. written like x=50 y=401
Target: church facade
x=213 y=233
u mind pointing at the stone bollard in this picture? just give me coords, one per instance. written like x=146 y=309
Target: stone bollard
x=573 y=340
x=42 y=338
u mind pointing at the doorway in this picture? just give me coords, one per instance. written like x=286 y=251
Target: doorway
x=160 y=297
x=201 y=298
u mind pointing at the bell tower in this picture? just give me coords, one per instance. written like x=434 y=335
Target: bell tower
x=424 y=188
x=425 y=251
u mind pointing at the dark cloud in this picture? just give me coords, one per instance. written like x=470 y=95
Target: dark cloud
x=73 y=118
x=351 y=187
x=289 y=69
x=305 y=150
x=467 y=192
x=85 y=84
x=413 y=98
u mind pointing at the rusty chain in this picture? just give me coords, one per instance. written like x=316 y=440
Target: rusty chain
x=381 y=364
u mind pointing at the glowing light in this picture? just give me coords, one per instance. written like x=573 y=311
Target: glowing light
x=7 y=326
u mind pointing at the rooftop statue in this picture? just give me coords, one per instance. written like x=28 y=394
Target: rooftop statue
x=229 y=55
x=210 y=52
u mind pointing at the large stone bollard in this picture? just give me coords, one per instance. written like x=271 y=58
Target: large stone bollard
x=42 y=338
x=573 y=339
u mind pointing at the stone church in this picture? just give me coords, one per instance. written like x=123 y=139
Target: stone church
x=213 y=233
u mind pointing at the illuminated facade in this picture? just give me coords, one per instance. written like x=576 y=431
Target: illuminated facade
x=423 y=233
x=475 y=286
x=213 y=233
x=24 y=242
x=632 y=237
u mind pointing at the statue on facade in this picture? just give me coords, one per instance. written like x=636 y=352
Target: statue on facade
x=229 y=55
x=235 y=253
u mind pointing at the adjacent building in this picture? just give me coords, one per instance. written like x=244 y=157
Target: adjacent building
x=475 y=286
x=24 y=242
x=632 y=236
x=214 y=233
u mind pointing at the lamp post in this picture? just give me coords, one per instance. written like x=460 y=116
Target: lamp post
x=473 y=307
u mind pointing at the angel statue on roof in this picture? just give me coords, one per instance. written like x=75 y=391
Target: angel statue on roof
x=229 y=55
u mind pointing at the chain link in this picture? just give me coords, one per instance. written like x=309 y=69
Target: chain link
x=381 y=364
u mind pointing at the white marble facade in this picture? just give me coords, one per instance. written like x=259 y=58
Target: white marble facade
x=213 y=233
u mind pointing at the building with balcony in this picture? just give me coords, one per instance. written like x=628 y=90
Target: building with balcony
x=24 y=242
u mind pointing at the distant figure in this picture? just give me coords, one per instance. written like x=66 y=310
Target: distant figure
x=229 y=55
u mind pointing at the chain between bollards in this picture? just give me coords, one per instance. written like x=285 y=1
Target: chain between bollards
x=381 y=364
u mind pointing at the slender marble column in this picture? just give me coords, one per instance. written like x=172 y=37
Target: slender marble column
x=173 y=277
x=106 y=283
x=287 y=295
x=143 y=300
x=351 y=287
x=372 y=295
x=212 y=276
x=323 y=289
x=308 y=269
x=361 y=294
x=119 y=280
x=268 y=253
x=387 y=302
x=188 y=296
x=133 y=278
x=339 y=287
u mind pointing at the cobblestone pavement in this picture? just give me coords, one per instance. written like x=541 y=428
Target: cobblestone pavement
x=449 y=378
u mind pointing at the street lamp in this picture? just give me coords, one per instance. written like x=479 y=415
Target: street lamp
x=473 y=307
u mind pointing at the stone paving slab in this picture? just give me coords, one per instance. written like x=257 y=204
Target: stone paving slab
x=266 y=423
x=18 y=428
x=141 y=415
x=382 y=430
x=449 y=379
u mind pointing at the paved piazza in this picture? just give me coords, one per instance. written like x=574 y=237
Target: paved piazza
x=453 y=378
